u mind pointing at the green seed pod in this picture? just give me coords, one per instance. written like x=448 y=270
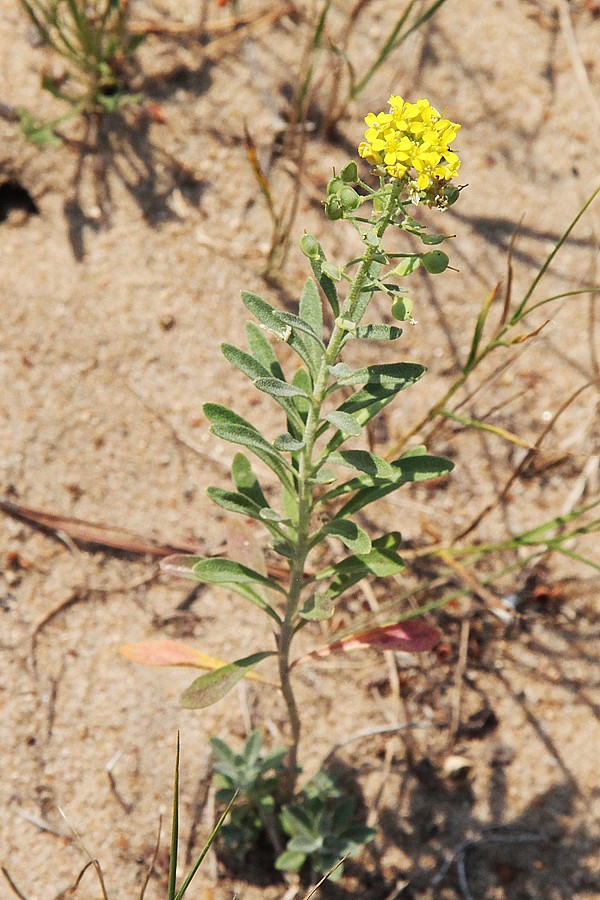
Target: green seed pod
x=349 y=173
x=348 y=198
x=451 y=193
x=435 y=261
x=310 y=246
x=402 y=309
x=433 y=238
x=333 y=208
x=334 y=185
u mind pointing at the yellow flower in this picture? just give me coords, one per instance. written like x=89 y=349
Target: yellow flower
x=411 y=136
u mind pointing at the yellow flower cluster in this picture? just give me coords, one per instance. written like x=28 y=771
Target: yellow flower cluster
x=411 y=136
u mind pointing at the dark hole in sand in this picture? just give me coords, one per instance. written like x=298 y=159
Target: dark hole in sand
x=13 y=196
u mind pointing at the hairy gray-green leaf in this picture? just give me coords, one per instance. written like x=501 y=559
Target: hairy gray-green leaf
x=407 y=469
x=246 y=481
x=298 y=324
x=267 y=315
x=262 y=351
x=248 y=437
x=351 y=534
x=219 y=570
x=382 y=561
x=396 y=376
x=327 y=285
x=222 y=415
x=344 y=422
x=310 y=308
x=287 y=443
x=234 y=502
x=213 y=686
x=378 y=332
x=277 y=388
x=318 y=608
x=372 y=465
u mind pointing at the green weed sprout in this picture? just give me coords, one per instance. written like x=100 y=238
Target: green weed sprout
x=320 y=828
x=94 y=40
x=325 y=402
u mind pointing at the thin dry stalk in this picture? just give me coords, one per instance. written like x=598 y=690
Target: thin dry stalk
x=501 y=497
x=463 y=655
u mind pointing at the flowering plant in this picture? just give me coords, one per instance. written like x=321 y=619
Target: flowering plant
x=327 y=402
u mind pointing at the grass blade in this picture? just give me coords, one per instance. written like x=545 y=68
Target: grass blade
x=205 y=849
x=174 y=829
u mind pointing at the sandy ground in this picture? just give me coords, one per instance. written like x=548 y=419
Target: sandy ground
x=114 y=300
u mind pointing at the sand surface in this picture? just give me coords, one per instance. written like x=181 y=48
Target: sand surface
x=114 y=300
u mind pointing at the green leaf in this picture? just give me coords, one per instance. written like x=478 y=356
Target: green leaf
x=379 y=395
x=250 y=437
x=396 y=376
x=298 y=324
x=226 y=572
x=382 y=561
x=332 y=272
x=478 y=331
x=340 y=370
x=407 y=469
x=325 y=475
x=270 y=515
x=311 y=309
x=277 y=388
x=303 y=381
x=317 y=608
x=246 y=481
x=234 y=502
x=268 y=316
x=344 y=422
x=378 y=332
x=172 y=881
x=327 y=285
x=351 y=534
x=244 y=362
x=218 y=570
x=407 y=266
x=287 y=443
x=372 y=465
x=262 y=350
x=39 y=133
x=213 y=686
x=289 y=861
x=222 y=415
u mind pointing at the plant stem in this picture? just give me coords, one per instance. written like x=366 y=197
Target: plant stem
x=305 y=488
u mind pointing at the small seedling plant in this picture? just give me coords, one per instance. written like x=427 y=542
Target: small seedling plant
x=94 y=40
x=325 y=402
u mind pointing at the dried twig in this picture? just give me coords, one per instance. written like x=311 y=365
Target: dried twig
x=371 y=732
x=458 y=856
x=12 y=885
x=577 y=64
x=153 y=860
x=93 y=532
